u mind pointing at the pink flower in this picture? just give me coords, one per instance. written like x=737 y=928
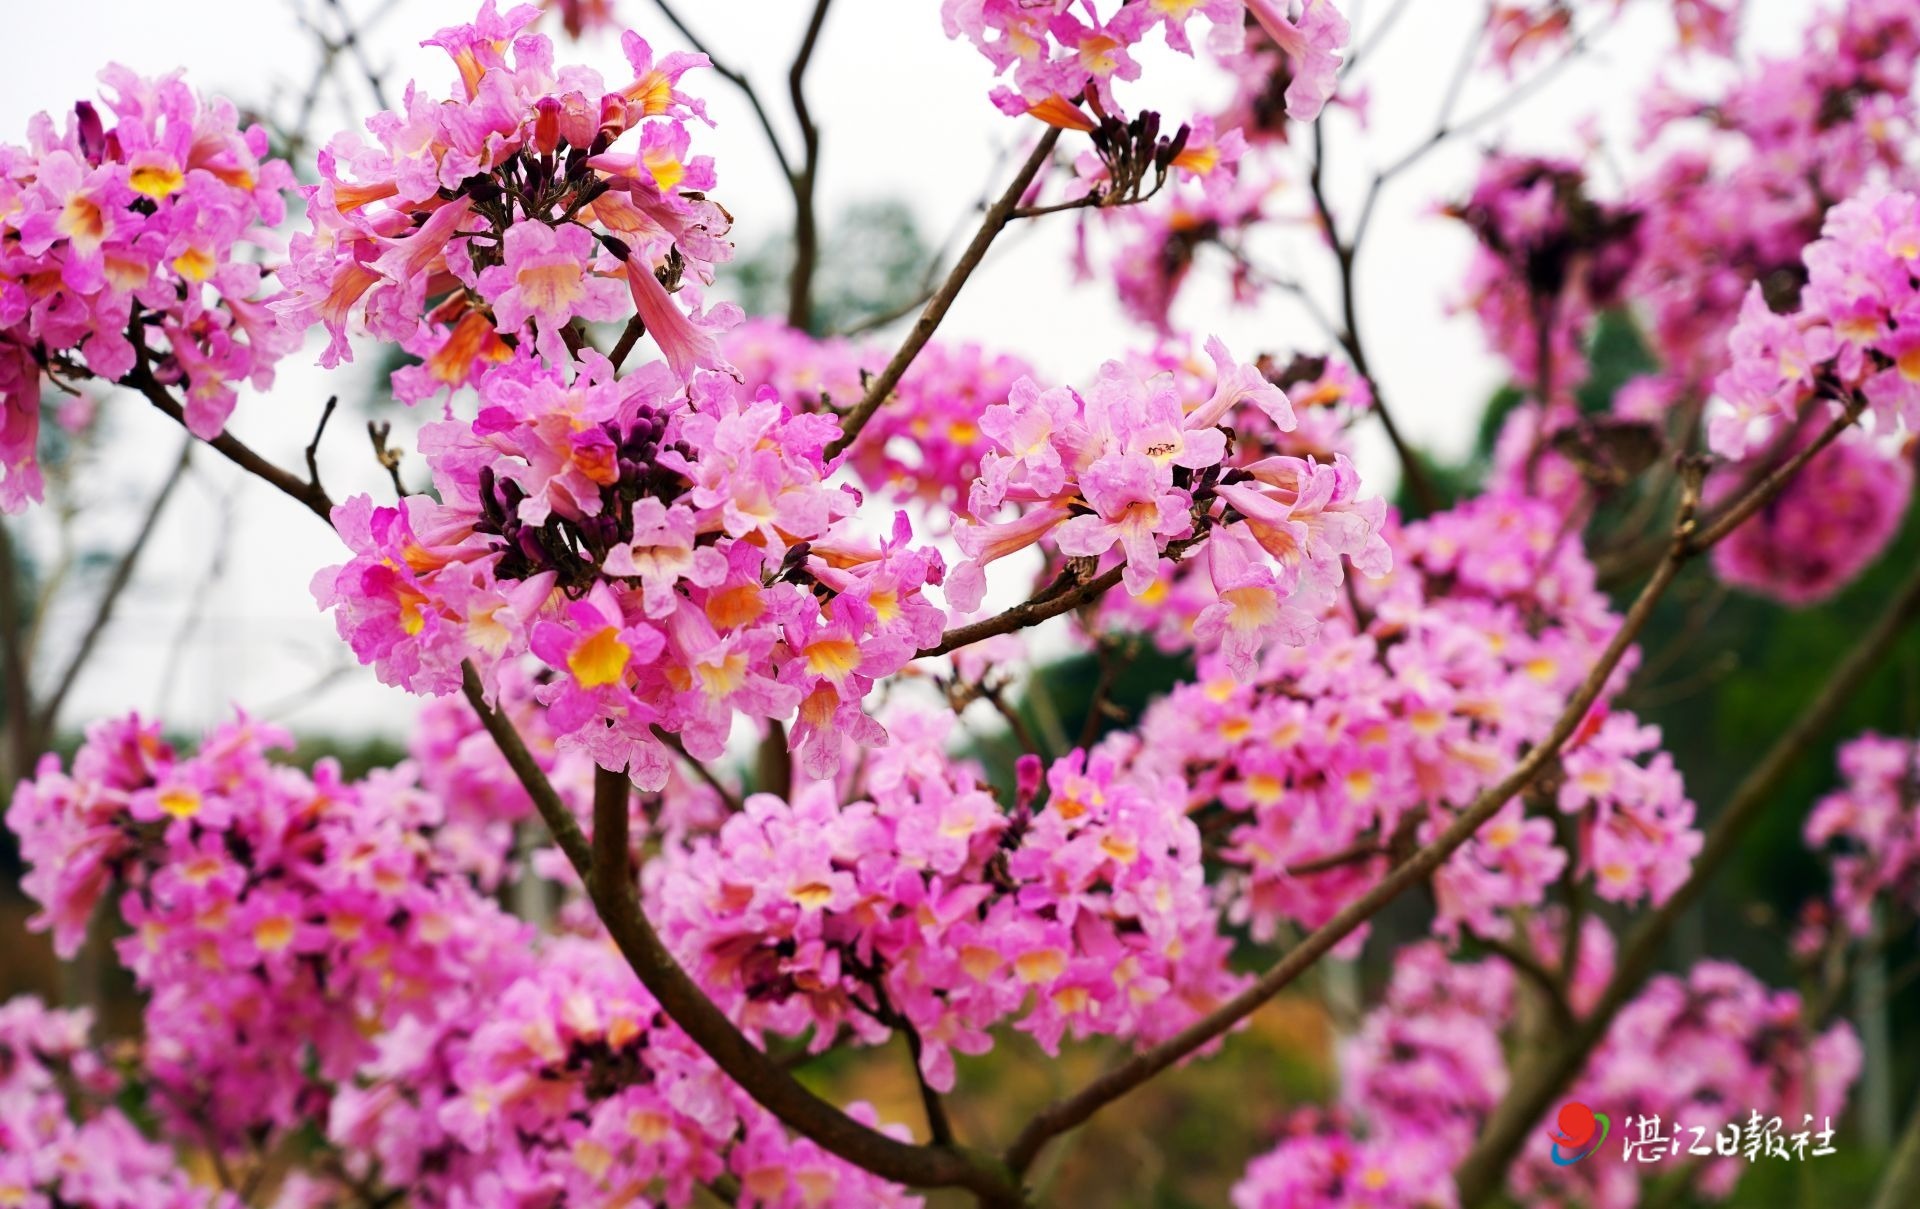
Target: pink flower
x=1252 y=608
x=1136 y=507
x=1312 y=40
x=547 y=280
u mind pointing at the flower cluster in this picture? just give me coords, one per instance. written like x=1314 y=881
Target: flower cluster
x=532 y=199
x=1055 y=53
x=1826 y=526
x=1325 y=760
x=1429 y=1060
x=1326 y=396
x=123 y=241
x=1550 y=258
x=305 y=908
x=310 y=953
x=1752 y=172
x=672 y=563
x=1703 y=1050
x=1319 y=1164
x=571 y=1088
x=925 y=445
x=1231 y=155
x=1129 y=473
x=1852 y=331
x=62 y=1141
x=931 y=910
x=1429 y=1064
x=1870 y=827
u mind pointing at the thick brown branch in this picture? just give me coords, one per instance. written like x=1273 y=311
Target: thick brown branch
x=998 y=215
x=612 y=868
x=616 y=900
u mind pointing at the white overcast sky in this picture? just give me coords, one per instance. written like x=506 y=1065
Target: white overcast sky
x=904 y=115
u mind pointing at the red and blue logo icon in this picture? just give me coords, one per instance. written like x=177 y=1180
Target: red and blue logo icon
x=1579 y=1132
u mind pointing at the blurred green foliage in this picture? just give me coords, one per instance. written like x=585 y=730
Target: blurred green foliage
x=873 y=262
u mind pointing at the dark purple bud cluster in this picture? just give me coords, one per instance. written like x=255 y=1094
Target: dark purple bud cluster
x=1133 y=151
x=1579 y=232
x=574 y=547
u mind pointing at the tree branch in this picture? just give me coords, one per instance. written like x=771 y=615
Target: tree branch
x=1065 y=1114
x=629 y=336
x=1756 y=498
x=1481 y=1173
x=1685 y=545
x=1543 y=979
x=998 y=215
x=21 y=741
x=1063 y=596
x=1345 y=255
x=737 y=80
x=110 y=595
x=310 y=495
x=313 y=446
x=611 y=874
x=1900 y=1186
x=806 y=231
x=939 y=1128
x=616 y=901
x=712 y=781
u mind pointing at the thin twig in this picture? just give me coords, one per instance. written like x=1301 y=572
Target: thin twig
x=939 y=1126
x=313 y=446
x=995 y=221
x=1375 y=36
x=1113 y=660
x=350 y=39
x=699 y=767
x=378 y=432
x=997 y=697
x=1345 y=256
x=1757 y=498
x=1085 y=202
x=737 y=80
x=1050 y=603
x=310 y=495
x=806 y=228
x=110 y=595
